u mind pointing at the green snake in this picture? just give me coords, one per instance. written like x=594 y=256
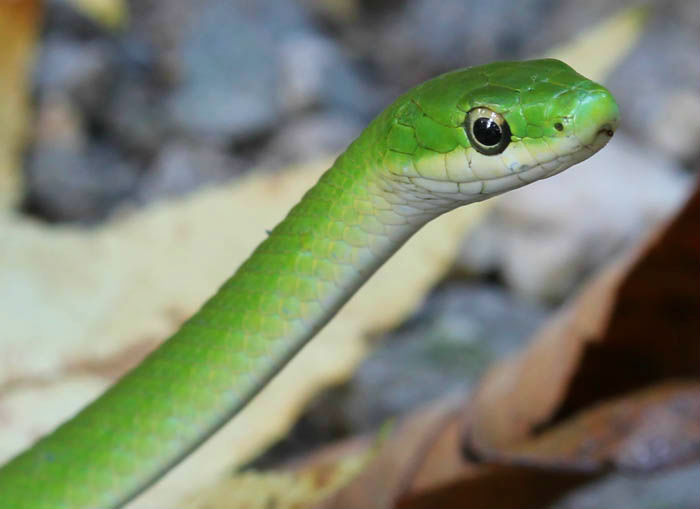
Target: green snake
x=456 y=139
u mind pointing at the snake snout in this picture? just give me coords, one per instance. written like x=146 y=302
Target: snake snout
x=597 y=117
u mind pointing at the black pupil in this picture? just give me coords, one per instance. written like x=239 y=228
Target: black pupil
x=487 y=132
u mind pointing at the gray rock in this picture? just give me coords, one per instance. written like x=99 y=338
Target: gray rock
x=544 y=239
x=657 y=85
x=82 y=70
x=673 y=489
x=305 y=59
x=69 y=175
x=445 y=348
x=181 y=167
x=78 y=185
x=230 y=78
x=315 y=73
x=427 y=37
x=134 y=116
x=311 y=136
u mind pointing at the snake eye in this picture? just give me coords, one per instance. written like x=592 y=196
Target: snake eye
x=488 y=131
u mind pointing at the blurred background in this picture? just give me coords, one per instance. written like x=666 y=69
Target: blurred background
x=128 y=103
x=180 y=94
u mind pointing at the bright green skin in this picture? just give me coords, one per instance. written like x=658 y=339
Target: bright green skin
x=345 y=227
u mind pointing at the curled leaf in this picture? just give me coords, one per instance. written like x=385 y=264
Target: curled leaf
x=634 y=324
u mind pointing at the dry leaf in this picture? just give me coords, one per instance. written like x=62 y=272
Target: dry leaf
x=19 y=25
x=644 y=431
x=420 y=465
x=384 y=479
x=635 y=324
x=298 y=485
x=443 y=477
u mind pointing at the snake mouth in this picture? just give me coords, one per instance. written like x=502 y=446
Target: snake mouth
x=606 y=129
x=602 y=137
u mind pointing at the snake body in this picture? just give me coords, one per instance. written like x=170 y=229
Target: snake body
x=456 y=139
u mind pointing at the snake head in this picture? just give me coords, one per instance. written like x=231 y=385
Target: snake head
x=473 y=133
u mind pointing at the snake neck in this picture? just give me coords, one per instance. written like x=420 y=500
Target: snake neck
x=329 y=244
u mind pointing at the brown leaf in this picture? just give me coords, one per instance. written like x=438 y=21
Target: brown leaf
x=647 y=430
x=420 y=465
x=635 y=324
x=386 y=477
x=19 y=25
x=302 y=484
x=444 y=478
x=496 y=487
x=360 y=472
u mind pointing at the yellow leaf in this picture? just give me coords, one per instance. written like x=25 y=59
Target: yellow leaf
x=112 y=14
x=301 y=484
x=595 y=52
